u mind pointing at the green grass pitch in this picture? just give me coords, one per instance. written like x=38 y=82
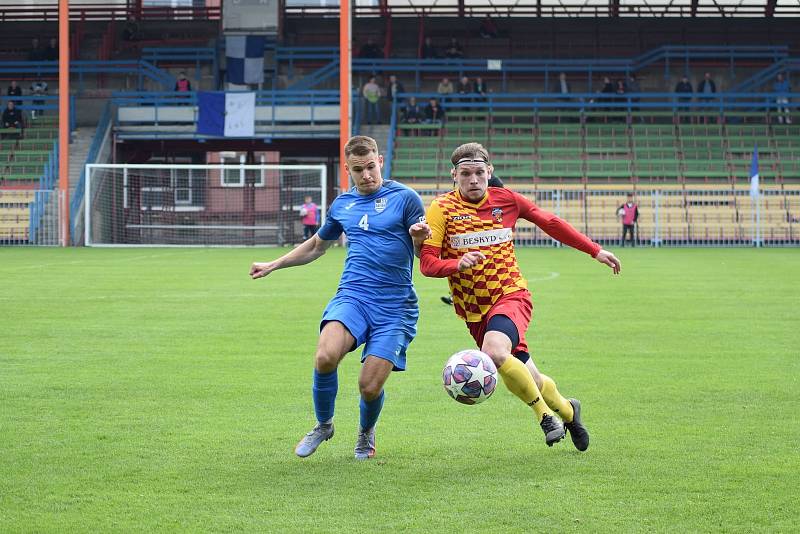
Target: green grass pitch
x=163 y=390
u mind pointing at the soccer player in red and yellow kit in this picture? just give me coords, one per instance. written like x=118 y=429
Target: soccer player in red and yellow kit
x=471 y=243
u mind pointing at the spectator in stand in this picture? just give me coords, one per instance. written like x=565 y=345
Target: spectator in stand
x=454 y=50
x=562 y=87
x=182 y=84
x=372 y=95
x=445 y=87
x=12 y=117
x=488 y=30
x=781 y=88
x=479 y=86
x=15 y=90
x=411 y=112
x=370 y=50
x=684 y=87
x=434 y=113
x=35 y=53
x=620 y=90
x=51 y=50
x=393 y=89
x=606 y=95
x=38 y=88
x=131 y=32
x=706 y=87
x=634 y=87
x=428 y=50
x=464 y=88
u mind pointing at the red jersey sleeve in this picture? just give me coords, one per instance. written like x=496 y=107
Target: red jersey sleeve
x=555 y=227
x=432 y=265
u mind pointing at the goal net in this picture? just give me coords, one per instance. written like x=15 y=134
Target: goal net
x=199 y=205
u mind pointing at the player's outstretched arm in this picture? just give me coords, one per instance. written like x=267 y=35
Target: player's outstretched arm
x=609 y=259
x=308 y=251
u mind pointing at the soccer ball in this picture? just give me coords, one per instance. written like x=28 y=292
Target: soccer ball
x=469 y=376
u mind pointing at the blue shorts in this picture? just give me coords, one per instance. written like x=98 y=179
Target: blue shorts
x=385 y=333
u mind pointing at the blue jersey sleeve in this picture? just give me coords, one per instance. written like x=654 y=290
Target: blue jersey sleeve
x=332 y=228
x=414 y=210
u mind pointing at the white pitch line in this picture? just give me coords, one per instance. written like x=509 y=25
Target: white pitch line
x=553 y=275
x=95 y=260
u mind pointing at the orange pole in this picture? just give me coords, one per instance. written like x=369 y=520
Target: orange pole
x=344 y=90
x=63 y=116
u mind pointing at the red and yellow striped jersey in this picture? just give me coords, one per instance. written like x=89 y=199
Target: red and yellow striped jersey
x=459 y=226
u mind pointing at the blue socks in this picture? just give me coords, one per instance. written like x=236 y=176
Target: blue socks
x=324 y=393
x=370 y=410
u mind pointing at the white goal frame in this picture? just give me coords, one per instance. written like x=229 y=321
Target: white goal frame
x=242 y=168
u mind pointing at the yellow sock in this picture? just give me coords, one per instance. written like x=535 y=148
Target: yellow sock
x=520 y=382
x=554 y=399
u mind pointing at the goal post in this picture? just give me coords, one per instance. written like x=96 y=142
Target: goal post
x=151 y=205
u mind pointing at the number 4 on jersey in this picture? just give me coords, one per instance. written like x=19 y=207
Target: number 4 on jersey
x=364 y=222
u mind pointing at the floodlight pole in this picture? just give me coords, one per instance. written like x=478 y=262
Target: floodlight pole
x=63 y=118
x=344 y=90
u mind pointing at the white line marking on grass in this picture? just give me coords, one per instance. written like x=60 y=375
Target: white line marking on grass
x=552 y=276
x=96 y=260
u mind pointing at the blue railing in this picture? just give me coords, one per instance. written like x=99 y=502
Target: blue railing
x=765 y=77
x=355 y=107
x=290 y=54
x=49 y=69
x=596 y=103
x=628 y=102
x=390 y=140
x=41 y=103
x=42 y=196
x=549 y=68
x=196 y=56
x=91 y=157
x=298 y=113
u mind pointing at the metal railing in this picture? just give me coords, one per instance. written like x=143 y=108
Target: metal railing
x=48 y=11
x=725 y=217
x=548 y=68
x=49 y=69
x=99 y=149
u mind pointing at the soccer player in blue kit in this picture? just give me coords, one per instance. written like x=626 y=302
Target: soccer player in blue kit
x=375 y=305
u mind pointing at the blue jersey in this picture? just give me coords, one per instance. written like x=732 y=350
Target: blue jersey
x=380 y=257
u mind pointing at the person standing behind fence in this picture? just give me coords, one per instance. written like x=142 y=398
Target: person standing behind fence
x=372 y=95
x=182 y=84
x=310 y=217
x=15 y=90
x=629 y=213
x=781 y=88
x=38 y=88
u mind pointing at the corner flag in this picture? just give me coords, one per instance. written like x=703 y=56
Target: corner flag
x=754 y=173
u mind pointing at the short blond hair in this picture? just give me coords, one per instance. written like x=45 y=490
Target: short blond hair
x=360 y=145
x=469 y=151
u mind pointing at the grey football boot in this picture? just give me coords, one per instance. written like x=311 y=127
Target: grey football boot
x=578 y=432
x=312 y=440
x=553 y=429
x=365 y=444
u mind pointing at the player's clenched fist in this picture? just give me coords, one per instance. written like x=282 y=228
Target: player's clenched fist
x=470 y=260
x=260 y=270
x=420 y=230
